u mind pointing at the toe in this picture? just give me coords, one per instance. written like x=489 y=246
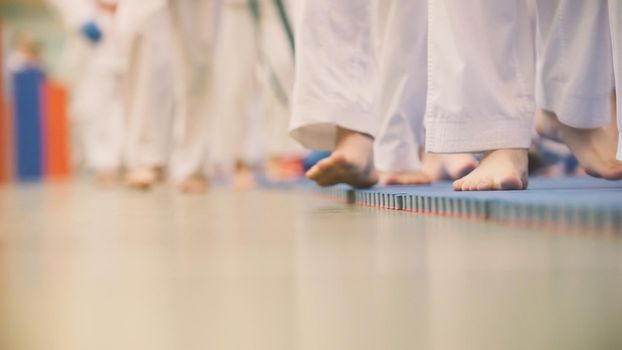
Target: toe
x=318 y=169
x=471 y=185
x=458 y=185
x=613 y=171
x=312 y=173
x=510 y=183
x=612 y=175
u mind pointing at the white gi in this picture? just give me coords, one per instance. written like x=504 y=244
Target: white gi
x=403 y=72
x=235 y=90
x=75 y=13
x=336 y=71
x=249 y=118
x=193 y=26
x=480 y=76
x=579 y=61
x=96 y=99
x=150 y=93
x=476 y=101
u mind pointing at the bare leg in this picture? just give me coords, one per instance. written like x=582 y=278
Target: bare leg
x=504 y=169
x=351 y=162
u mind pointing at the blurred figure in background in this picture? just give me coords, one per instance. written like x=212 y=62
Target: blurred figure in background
x=235 y=99
x=25 y=53
x=252 y=82
x=276 y=68
x=149 y=95
x=182 y=88
x=193 y=26
x=96 y=97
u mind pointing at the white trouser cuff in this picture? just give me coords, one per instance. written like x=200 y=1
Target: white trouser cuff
x=315 y=127
x=455 y=137
x=589 y=112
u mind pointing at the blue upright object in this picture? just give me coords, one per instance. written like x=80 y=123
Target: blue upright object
x=28 y=124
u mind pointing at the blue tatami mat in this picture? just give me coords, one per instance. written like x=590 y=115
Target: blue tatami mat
x=573 y=203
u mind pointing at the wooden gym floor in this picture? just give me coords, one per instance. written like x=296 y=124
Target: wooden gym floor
x=82 y=268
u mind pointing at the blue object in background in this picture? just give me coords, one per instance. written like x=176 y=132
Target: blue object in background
x=27 y=104
x=571 y=164
x=313 y=158
x=92 y=32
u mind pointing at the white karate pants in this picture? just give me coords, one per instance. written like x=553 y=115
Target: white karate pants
x=235 y=87
x=480 y=76
x=194 y=34
x=579 y=61
x=150 y=94
x=97 y=104
x=403 y=79
x=336 y=71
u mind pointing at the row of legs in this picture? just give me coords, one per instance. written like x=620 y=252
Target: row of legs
x=195 y=93
x=456 y=77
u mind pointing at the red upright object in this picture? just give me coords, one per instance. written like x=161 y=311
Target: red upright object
x=5 y=142
x=56 y=131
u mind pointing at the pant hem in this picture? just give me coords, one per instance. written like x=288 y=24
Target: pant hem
x=452 y=137
x=316 y=127
x=579 y=112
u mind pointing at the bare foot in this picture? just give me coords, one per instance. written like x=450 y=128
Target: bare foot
x=141 y=179
x=504 y=169
x=194 y=184
x=415 y=177
x=448 y=166
x=351 y=162
x=106 y=178
x=594 y=148
x=244 y=179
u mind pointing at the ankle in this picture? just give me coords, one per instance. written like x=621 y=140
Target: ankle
x=515 y=155
x=345 y=135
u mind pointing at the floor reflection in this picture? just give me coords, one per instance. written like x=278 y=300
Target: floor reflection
x=87 y=269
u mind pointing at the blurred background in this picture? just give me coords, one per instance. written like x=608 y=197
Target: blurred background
x=137 y=93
